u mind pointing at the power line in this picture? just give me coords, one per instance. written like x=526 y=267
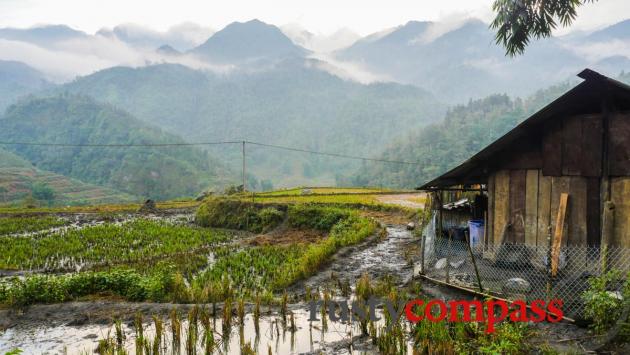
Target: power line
x=293 y=149
x=332 y=154
x=87 y=145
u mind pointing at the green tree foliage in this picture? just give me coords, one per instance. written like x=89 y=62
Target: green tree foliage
x=438 y=147
x=517 y=21
x=158 y=173
x=291 y=105
x=41 y=191
x=266 y=185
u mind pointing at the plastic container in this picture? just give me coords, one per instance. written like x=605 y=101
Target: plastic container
x=475 y=226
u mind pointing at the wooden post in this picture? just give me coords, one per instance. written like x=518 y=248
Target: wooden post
x=448 y=256
x=472 y=257
x=559 y=231
x=423 y=245
x=439 y=206
x=244 y=176
x=607 y=233
x=549 y=278
x=423 y=242
x=485 y=230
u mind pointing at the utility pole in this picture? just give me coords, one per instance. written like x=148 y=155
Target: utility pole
x=244 y=178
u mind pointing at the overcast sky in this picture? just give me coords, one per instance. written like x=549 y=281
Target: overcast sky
x=323 y=16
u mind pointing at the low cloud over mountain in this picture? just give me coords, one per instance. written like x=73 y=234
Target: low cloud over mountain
x=456 y=58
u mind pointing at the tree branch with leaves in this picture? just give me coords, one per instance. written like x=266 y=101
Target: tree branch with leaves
x=518 y=21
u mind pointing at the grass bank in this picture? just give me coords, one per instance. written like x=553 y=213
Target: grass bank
x=148 y=260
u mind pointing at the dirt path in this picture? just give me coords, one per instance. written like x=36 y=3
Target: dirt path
x=378 y=257
x=410 y=200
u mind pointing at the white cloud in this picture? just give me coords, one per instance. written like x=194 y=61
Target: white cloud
x=71 y=58
x=595 y=51
x=319 y=42
x=346 y=70
x=190 y=32
x=445 y=25
x=182 y=37
x=57 y=65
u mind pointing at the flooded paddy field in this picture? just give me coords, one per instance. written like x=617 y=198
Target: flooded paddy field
x=181 y=282
x=296 y=336
x=78 y=327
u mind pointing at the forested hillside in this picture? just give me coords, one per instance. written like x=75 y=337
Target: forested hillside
x=21 y=184
x=465 y=130
x=18 y=79
x=293 y=104
x=159 y=173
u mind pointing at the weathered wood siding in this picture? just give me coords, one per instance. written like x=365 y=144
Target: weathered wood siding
x=525 y=188
x=572 y=146
x=501 y=203
x=619 y=144
x=620 y=196
x=529 y=201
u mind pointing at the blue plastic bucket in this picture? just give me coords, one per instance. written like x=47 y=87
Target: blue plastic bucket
x=475 y=227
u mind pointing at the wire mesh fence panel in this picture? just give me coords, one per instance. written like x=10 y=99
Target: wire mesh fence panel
x=518 y=271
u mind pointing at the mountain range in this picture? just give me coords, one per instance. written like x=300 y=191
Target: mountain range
x=293 y=104
x=384 y=95
x=455 y=61
x=464 y=62
x=143 y=172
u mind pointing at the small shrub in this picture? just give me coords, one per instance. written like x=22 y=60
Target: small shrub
x=315 y=217
x=601 y=305
x=270 y=218
x=237 y=214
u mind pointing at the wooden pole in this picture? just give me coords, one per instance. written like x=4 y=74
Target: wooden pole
x=549 y=244
x=482 y=294
x=423 y=243
x=485 y=230
x=474 y=262
x=244 y=178
x=607 y=233
x=559 y=231
x=448 y=256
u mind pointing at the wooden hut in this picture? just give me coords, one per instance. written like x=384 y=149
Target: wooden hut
x=577 y=145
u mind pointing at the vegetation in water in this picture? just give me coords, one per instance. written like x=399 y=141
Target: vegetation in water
x=14 y=225
x=156 y=259
x=273 y=268
x=106 y=244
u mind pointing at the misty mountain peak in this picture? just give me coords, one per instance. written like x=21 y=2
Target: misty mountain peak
x=244 y=41
x=619 y=31
x=167 y=50
x=41 y=34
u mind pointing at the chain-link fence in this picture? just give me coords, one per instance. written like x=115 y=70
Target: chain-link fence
x=518 y=271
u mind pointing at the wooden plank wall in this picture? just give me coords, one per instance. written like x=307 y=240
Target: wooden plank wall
x=620 y=194
x=529 y=202
x=544 y=219
x=518 y=178
x=531 y=207
x=501 y=203
x=572 y=146
x=490 y=214
x=619 y=145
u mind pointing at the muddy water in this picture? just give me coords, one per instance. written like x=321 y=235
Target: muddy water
x=376 y=257
x=57 y=330
x=308 y=337
x=81 y=221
